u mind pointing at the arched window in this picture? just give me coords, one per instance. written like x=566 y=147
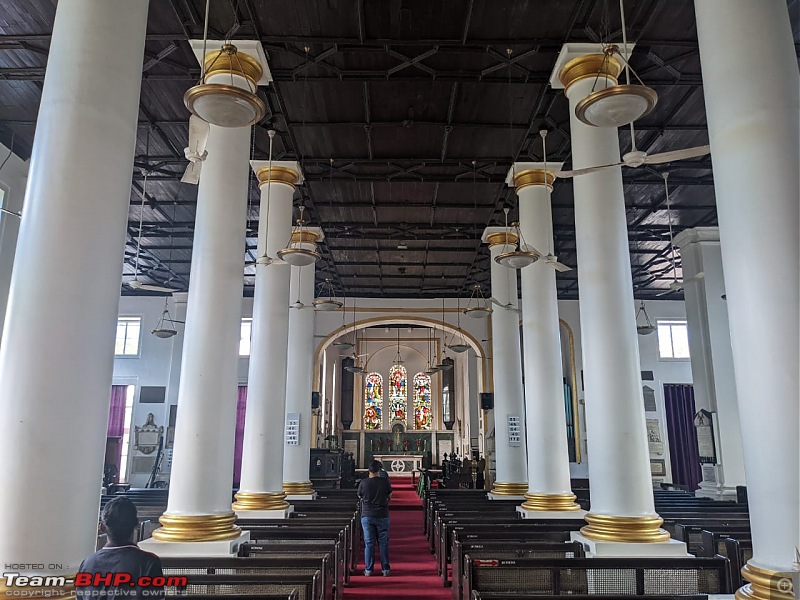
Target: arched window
x=422 y=401
x=373 y=401
x=398 y=393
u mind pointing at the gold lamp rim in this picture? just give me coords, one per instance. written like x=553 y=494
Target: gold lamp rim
x=621 y=89
x=207 y=89
x=282 y=254
x=502 y=259
x=478 y=312
x=328 y=303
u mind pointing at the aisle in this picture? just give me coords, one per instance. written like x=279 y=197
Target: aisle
x=413 y=566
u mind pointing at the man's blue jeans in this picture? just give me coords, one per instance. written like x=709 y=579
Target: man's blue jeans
x=375 y=528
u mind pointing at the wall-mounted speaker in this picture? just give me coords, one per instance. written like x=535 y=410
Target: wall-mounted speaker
x=314 y=400
x=487 y=401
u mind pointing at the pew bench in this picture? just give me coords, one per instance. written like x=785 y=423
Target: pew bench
x=230 y=587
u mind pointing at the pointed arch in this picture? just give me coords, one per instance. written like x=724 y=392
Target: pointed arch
x=373 y=401
x=423 y=417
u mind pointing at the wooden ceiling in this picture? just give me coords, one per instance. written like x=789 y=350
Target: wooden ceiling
x=405 y=116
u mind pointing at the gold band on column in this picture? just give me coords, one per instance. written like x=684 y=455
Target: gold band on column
x=298 y=488
x=197 y=528
x=277 y=174
x=530 y=177
x=765 y=584
x=260 y=501
x=610 y=528
x=550 y=502
x=60 y=592
x=509 y=489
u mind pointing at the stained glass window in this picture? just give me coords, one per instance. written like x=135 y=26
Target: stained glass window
x=373 y=401
x=422 y=401
x=398 y=393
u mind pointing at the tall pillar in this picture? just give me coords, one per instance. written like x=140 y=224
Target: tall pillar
x=549 y=487
x=57 y=351
x=261 y=489
x=199 y=519
x=622 y=506
x=712 y=359
x=751 y=93
x=299 y=369
x=509 y=402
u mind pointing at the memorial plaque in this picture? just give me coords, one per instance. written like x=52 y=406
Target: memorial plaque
x=704 y=426
x=445 y=447
x=514 y=435
x=293 y=429
x=654 y=441
x=649 y=398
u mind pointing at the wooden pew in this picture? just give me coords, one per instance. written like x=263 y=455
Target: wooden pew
x=281 y=565
x=713 y=542
x=506 y=549
x=601 y=576
x=738 y=552
x=334 y=549
x=231 y=587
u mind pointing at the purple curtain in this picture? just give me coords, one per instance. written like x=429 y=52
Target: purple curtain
x=683 y=452
x=241 y=406
x=116 y=417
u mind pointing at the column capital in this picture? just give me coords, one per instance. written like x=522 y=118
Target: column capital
x=308 y=235
x=697 y=235
x=283 y=171
x=499 y=236
x=180 y=297
x=572 y=51
x=523 y=174
x=250 y=52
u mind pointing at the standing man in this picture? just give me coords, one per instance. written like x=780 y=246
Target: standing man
x=375 y=493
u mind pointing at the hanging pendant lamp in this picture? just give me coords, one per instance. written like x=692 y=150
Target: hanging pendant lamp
x=515 y=254
x=301 y=251
x=330 y=303
x=165 y=327
x=477 y=307
x=647 y=327
x=460 y=344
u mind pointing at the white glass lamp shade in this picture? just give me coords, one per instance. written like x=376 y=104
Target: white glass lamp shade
x=616 y=106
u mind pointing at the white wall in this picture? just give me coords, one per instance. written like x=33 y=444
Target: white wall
x=152 y=368
x=13 y=178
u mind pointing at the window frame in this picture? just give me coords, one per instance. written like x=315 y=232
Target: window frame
x=129 y=318
x=671 y=323
x=241 y=337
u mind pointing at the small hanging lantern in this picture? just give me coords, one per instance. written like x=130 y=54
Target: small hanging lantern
x=330 y=303
x=165 y=327
x=301 y=251
x=647 y=327
x=477 y=307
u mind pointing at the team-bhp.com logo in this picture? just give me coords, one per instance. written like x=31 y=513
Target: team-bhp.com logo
x=17 y=583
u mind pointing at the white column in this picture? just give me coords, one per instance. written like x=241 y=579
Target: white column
x=57 y=352
x=261 y=490
x=299 y=370
x=751 y=89
x=549 y=488
x=622 y=507
x=199 y=518
x=712 y=359
x=509 y=401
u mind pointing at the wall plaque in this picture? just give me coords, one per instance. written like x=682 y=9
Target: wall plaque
x=654 y=441
x=292 y=429
x=704 y=426
x=649 y=398
x=514 y=435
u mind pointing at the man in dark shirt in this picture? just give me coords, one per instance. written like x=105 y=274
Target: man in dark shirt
x=121 y=555
x=375 y=493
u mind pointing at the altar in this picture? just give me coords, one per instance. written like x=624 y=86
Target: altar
x=400 y=464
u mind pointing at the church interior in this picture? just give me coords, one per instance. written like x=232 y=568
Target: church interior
x=539 y=259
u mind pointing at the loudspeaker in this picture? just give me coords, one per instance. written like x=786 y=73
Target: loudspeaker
x=487 y=401
x=314 y=400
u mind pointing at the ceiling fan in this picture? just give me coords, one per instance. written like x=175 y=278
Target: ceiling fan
x=676 y=285
x=135 y=284
x=196 y=151
x=636 y=158
x=508 y=306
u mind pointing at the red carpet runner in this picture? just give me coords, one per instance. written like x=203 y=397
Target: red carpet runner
x=413 y=566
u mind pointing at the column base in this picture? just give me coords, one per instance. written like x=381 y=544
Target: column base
x=716 y=492
x=550 y=502
x=292 y=489
x=600 y=549
x=612 y=528
x=219 y=548
x=197 y=528
x=549 y=515
x=493 y=496
x=280 y=513
x=259 y=501
x=507 y=490
x=765 y=584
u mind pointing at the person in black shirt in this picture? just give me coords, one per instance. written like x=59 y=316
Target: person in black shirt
x=121 y=555
x=375 y=493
